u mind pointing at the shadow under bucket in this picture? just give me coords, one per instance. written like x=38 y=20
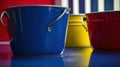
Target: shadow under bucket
x=36 y=30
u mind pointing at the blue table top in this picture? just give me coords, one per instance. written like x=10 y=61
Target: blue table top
x=72 y=57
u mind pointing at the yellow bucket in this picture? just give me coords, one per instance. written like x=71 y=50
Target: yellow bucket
x=77 y=34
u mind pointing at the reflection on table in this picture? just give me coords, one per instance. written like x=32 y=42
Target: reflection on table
x=72 y=57
x=104 y=59
x=5 y=55
x=77 y=57
x=40 y=61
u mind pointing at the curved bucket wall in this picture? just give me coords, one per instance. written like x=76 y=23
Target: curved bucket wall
x=36 y=30
x=104 y=30
x=77 y=35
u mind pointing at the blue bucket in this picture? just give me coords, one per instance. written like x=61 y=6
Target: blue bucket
x=36 y=30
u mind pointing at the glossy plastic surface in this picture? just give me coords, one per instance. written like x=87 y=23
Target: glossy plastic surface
x=77 y=36
x=104 y=30
x=28 y=30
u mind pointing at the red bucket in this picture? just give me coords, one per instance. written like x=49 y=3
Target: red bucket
x=6 y=3
x=104 y=30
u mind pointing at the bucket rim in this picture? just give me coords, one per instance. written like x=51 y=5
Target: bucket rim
x=103 y=12
x=37 y=5
x=77 y=14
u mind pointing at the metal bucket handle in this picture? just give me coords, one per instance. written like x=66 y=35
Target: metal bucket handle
x=84 y=19
x=49 y=28
x=4 y=14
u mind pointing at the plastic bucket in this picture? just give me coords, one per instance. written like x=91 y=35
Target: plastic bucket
x=104 y=30
x=36 y=29
x=77 y=35
x=5 y=3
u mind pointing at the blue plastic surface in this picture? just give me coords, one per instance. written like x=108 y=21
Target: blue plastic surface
x=28 y=30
